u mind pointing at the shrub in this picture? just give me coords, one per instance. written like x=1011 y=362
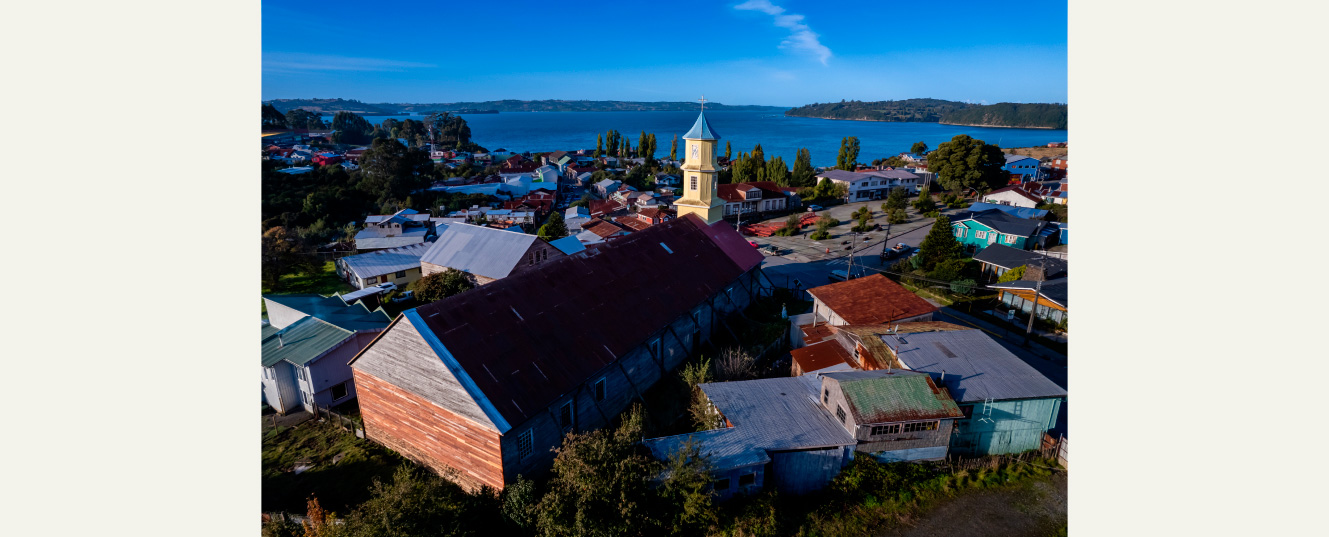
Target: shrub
x=897 y=216
x=932 y=214
x=963 y=287
x=820 y=235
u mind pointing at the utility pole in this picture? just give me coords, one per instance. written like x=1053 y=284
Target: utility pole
x=1038 y=288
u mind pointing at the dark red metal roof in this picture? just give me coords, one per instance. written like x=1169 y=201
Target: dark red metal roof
x=529 y=338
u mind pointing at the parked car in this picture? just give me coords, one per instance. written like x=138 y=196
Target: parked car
x=387 y=287
x=814 y=208
x=896 y=251
x=404 y=296
x=753 y=244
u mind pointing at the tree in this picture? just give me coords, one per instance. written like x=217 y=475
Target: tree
x=939 y=245
x=919 y=148
x=650 y=153
x=965 y=163
x=758 y=158
x=803 y=175
x=643 y=143
x=897 y=216
x=728 y=152
x=440 y=285
x=447 y=129
x=924 y=203
x=685 y=494
x=895 y=200
x=600 y=484
x=392 y=171
x=272 y=118
x=948 y=270
x=554 y=228
x=1011 y=275
x=673 y=149
x=848 y=158
x=599 y=146
x=418 y=503
x=283 y=253
x=299 y=118
x=351 y=129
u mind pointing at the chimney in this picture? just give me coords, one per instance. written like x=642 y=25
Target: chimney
x=280 y=343
x=943 y=377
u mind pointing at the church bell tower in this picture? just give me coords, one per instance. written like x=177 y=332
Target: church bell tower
x=701 y=172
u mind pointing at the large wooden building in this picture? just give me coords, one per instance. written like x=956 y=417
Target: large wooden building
x=483 y=385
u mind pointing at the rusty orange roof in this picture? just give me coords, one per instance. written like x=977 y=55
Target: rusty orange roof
x=871 y=299
x=820 y=356
x=816 y=333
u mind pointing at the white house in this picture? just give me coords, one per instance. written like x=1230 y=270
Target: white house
x=1014 y=196
x=874 y=184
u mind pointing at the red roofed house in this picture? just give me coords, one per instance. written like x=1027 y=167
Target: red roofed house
x=752 y=197
x=488 y=382
x=871 y=299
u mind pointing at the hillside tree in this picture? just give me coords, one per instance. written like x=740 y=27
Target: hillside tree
x=919 y=148
x=965 y=162
x=272 y=118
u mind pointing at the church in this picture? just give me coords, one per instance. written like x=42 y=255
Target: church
x=482 y=386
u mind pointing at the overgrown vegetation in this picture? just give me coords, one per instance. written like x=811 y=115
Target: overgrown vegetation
x=440 y=285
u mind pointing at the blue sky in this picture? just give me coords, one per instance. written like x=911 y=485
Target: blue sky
x=772 y=52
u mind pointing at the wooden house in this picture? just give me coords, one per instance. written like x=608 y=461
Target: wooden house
x=485 y=254
x=307 y=341
x=488 y=382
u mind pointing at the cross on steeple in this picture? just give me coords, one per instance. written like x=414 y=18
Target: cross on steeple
x=702 y=100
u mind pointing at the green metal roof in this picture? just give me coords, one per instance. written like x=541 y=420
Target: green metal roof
x=701 y=130
x=333 y=310
x=302 y=341
x=886 y=397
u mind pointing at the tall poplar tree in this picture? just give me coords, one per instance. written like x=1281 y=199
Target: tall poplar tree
x=728 y=151
x=673 y=149
x=804 y=175
x=847 y=160
x=599 y=145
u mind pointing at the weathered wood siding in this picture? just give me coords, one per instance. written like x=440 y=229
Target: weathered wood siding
x=936 y=438
x=801 y=472
x=836 y=400
x=1015 y=426
x=429 y=434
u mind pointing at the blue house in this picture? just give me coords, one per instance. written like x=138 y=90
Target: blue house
x=1018 y=212
x=307 y=342
x=1028 y=167
x=994 y=226
x=1008 y=406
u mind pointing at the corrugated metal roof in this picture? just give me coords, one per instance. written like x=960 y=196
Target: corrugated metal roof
x=1006 y=223
x=842 y=175
x=1056 y=290
x=568 y=245
x=701 y=130
x=870 y=300
x=332 y=309
x=819 y=356
x=776 y=414
x=478 y=250
x=385 y=261
x=1009 y=258
x=1018 y=212
x=981 y=368
x=524 y=339
x=891 y=396
x=302 y=341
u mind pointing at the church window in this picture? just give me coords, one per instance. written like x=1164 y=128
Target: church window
x=694 y=182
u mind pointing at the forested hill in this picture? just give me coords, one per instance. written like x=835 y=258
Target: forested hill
x=1034 y=116
x=907 y=110
x=331 y=106
x=1030 y=116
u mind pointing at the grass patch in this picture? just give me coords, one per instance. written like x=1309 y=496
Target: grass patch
x=323 y=282
x=338 y=485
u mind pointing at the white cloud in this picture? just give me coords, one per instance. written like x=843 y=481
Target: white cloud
x=801 y=37
x=294 y=61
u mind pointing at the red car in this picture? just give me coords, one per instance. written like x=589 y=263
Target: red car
x=754 y=245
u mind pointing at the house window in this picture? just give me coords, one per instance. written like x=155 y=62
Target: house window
x=959 y=231
x=600 y=390
x=372 y=279
x=565 y=415
x=400 y=274
x=826 y=396
x=722 y=484
x=524 y=444
x=920 y=426
x=747 y=479
x=339 y=391
x=1010 y=239
x=300 y=372
x=885 y=429
x=694 y=182
x=980 y=234
x=839 y=413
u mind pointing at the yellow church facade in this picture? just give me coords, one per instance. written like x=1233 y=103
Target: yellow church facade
x=701 y=172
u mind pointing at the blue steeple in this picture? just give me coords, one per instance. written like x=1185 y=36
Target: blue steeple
x=701 y=130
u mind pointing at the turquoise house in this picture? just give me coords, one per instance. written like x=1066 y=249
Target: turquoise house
x=993 y=226
x=1008 y=406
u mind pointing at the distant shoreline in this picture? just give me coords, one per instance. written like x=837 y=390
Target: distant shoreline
x=933 y=122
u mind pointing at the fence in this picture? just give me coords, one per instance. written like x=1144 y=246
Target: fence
x=346 y=423
x=1052 y=449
